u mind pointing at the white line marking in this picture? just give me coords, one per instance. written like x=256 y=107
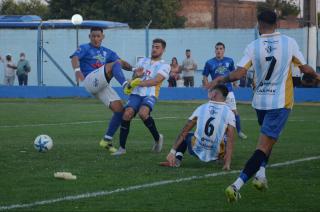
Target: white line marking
x=71 y=123
x=142 y=186
x=135 y=119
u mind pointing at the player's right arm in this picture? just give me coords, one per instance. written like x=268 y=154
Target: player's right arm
x=171 y=157
x=76 y=67
x=205 y=74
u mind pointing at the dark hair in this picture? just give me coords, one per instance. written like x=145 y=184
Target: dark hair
x=222 y=88
x=174 y=58
x=267 y=17
x=159 y=40
x=220 y=44
x=8 y=57
x=188 y=50
x=96 y=29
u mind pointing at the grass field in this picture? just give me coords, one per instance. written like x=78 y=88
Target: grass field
x=76 y=126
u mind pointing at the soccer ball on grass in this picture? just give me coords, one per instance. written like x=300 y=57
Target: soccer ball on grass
x=43 y=143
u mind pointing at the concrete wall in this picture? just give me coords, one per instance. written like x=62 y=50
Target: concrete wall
x=129 y=44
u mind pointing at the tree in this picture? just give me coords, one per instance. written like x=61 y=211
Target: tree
x=284 y=8
x=136 y=13
x=31 y=7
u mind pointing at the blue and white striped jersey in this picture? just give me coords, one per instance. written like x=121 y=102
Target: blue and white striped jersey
x=272 y=56
x=213 y=119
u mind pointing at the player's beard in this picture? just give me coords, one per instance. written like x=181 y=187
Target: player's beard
x=155 y=56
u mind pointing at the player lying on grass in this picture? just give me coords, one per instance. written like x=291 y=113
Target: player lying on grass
x=144 y=92
x=271 y=56
x=214 y=135
x=95 y=65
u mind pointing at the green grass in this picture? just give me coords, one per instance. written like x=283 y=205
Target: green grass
x=27 y=176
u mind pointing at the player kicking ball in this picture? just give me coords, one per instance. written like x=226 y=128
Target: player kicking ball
x=271 y=56
x=214 y=120
x=95 y=66
x=144 y=91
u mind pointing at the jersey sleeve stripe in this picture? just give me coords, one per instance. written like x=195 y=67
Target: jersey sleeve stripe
x=289 y=90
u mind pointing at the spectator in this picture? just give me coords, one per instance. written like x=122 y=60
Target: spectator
x=308 y=81
x=23 y=68
x=189 y=66
x=9 y=70
x=174 y=72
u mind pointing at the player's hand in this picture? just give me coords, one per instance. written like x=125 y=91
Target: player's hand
x=215 y=82
x=171 y=159
x=139 y=72
x=79 y=76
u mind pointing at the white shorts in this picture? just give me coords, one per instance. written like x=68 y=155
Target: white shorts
x=231 y=101
x=96 y=84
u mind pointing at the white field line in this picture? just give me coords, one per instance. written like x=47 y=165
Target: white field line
x=71 y=123
x=142 y=186
x=135 y=119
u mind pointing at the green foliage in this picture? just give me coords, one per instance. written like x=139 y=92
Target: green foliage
x=31 y=7
x=136 y=13
x=282 y=7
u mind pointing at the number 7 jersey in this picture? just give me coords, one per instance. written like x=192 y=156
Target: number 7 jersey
x=213 y=119
x=271 y=56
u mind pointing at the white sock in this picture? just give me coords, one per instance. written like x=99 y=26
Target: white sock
x=238 y=183
x=261 y=173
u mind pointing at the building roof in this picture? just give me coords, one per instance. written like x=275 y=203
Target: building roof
x=33 y=22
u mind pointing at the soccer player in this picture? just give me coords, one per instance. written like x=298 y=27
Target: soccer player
x=222 y=66
x=271 y=56
x=213 y=120
x=95 y=65
x=144 y=93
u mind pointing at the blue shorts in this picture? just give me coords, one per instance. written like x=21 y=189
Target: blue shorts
x=273 y=121
x=136 y=101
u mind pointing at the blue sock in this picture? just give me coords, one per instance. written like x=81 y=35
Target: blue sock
x=117 y=73
x=238 y=126
x=113 y=125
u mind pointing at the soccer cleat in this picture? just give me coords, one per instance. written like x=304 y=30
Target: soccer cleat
x=232 y=194
x=128 y=88
x=242 y=135
x=157 y=147
x=120 y=151
x=260 y=184
x=107 y=145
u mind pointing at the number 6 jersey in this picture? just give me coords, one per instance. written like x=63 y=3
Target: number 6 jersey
x=271 y=56
x=213 y=119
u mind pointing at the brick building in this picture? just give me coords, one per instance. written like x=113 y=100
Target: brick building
x=224 y=14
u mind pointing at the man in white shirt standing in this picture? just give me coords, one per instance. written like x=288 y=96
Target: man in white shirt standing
x=188 y=67
x=144 y=92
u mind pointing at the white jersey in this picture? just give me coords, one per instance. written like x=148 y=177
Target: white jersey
x=213 y=119
x=151 y=69
x=271 y=56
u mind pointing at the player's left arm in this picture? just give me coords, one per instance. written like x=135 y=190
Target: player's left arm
x=233 y=76
x=171 y=157
x=125 y=65
x=306 y=69
x=229 y=149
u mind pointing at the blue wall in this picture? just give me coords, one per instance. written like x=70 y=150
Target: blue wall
x=242 y=94
x=129 y=44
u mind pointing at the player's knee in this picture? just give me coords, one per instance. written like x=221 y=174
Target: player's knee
x=116 y=106
x=128 y=114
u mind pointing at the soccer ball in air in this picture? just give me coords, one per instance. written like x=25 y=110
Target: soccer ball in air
x=43 y=143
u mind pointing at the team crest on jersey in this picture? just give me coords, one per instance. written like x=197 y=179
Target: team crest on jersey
x=221 y=69
x=100 y=58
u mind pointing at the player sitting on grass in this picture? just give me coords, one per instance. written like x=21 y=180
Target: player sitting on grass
x=95 y=65
x=144 y=92
x=214 y=120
